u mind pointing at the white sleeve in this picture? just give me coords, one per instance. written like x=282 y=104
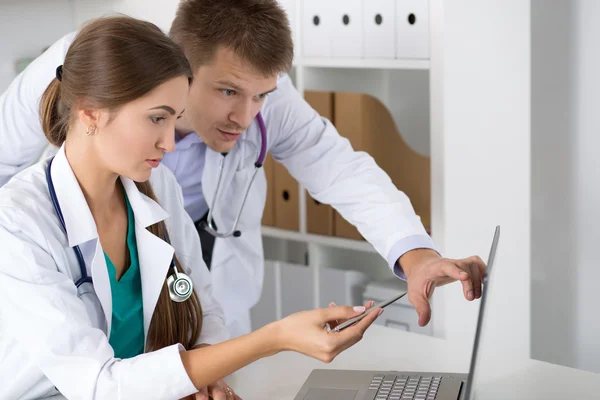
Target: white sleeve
x=325 y=163
x=22 y=140
x=185 y=240
x=42 y=312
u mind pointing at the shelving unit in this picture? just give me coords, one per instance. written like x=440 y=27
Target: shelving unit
x=318 y=62
x=329 y=241
x=402 y=85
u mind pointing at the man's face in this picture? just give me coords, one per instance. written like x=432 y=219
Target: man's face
x=224 y=98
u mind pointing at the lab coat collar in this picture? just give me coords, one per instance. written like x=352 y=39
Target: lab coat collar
x=154 y=253
x=79 y=222
x=146 y=211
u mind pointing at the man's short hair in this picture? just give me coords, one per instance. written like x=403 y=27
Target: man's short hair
x=258 y=31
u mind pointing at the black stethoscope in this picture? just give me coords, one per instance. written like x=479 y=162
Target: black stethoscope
x=179 y=284
x=208 y=224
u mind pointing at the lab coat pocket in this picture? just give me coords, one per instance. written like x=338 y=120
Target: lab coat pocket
x=237 y=272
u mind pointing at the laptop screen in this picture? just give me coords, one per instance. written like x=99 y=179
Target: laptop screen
x=476 y=357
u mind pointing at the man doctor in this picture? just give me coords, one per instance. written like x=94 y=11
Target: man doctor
x=239 y=51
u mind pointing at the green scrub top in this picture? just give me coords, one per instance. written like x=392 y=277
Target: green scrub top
x=127 y=329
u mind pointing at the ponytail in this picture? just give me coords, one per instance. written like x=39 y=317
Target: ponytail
x=54 y=120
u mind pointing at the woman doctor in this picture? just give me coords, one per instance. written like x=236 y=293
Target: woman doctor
x=104 y=292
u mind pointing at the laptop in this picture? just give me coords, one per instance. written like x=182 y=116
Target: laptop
x=324 y=384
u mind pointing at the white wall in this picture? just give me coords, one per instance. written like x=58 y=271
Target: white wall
x=481 y=136
x=27 y=28
x=566 y=183
x=553 y=273
x=587 y=189
x=159 y=12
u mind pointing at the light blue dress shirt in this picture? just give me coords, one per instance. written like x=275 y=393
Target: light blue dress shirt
x=187 y=164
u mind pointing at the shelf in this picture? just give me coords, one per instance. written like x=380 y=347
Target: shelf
x=331 y=62
x=330 y=241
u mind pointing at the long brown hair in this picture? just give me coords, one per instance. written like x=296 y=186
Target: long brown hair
x=111 y=62
x=258 y=31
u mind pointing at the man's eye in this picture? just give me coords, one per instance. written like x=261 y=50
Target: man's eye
x=228 y=92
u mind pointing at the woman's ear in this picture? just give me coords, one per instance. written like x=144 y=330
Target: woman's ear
x=93 y=119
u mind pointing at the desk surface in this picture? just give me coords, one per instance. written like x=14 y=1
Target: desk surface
x=280 y=377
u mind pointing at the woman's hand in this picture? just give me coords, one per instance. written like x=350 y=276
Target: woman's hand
x=303 y=332
x=306 y=332
x=333 y=324
x=216 y=391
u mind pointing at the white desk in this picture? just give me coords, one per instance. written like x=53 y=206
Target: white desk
x=281 y=376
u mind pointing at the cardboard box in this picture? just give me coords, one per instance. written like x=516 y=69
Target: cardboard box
x=367 y=123
x=319 y=217
x=348 y=111
x=269 y=212
x=287 y=203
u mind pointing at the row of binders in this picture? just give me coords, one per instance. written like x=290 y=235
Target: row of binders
x=369 y=127
x=371 y=29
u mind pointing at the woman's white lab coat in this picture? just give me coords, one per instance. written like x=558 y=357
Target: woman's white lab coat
x=54 y=337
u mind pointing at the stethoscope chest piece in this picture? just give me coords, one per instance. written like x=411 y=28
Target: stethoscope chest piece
x=180 y=287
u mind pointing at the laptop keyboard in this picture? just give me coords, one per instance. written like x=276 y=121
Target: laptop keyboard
x=401 y=387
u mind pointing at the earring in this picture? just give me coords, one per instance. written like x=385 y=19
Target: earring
x=90 y=130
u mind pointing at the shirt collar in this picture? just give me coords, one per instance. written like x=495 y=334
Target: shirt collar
x=187 y=141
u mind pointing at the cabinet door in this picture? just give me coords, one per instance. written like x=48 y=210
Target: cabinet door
x=380 y=28
x=347 y=28
x=412 y=29
x=316 y=29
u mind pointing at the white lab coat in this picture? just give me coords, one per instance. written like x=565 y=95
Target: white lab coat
x=308 y=145
x=51 y=335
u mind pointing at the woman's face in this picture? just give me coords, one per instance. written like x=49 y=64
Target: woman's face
x=132 y=140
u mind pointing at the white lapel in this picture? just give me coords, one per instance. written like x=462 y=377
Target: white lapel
x=81 y=229
x=154 y=253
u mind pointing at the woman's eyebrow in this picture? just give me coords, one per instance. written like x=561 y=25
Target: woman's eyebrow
x=163 y=107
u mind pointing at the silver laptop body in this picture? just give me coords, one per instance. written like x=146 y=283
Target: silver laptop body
x=330 y=384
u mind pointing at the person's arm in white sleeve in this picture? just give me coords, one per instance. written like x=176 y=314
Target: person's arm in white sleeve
x=41 y=310
x=22 y=140
x=333 y=173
